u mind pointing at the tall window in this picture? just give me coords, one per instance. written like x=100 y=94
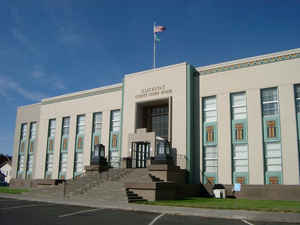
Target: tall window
x=210 y=151
x=210 y=109
x=97 y=127
x=297 y=95
x=30 y=154
x=160 y=121
x=50 y=148
x=63 y=159
x=78 y=159
x=239 y=106
x=115 y=120
x=66 y=126
x=272 y=143
x=114 y=148
x=270 y=103
x=22 y=150
x=239 y=138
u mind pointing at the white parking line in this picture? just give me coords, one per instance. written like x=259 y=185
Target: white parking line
x=156 y=218
x=79 y=212
x=20 y=206
x=245 y=221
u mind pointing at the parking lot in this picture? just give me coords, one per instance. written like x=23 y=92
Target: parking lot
x=14 y=212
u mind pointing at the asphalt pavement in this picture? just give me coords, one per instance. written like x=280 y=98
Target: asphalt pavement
x=15 y=212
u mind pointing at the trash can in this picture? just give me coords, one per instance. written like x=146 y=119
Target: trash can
x=219 y=191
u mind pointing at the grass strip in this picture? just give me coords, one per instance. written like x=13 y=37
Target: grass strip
x=235 y=204
x=9 y=190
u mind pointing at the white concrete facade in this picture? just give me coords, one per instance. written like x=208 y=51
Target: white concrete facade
x=184 y=89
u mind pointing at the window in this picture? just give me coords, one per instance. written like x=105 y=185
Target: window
x=29 y=163
x=239 y=106
x=271 y=129
x=210 y=159
x=210 y=134
x=66 y=126
x=21 y=163
x=272 y=144
x=160 y=121
x=270 y=103
x=63 y=159
x=32 y=137
x=22 y=144
x=63 y=163
x=50 y=147
x=78 y=158
x=273 y=157
x=49 y=163
x=78 y=163
x=297 y=95
x=23 y=131
x=33 y=130
x=80 y=124
x=239 y=131
x=210 y=151
x=115 y=119
x=240 y=158
x=97 y=126
x=52 y=127
x=210 y=109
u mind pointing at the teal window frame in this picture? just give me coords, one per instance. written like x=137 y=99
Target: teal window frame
x=239 y=174
x=112 y=132
x=31 y=142
x=245 y=131
x=48 y=152
x=64 y=136
x=96 y=132
x=79 y=150
x=277 y=128
x=209 y=174
x=215 y=126
x=234 y=140
x=206 y=144
x=274 y=117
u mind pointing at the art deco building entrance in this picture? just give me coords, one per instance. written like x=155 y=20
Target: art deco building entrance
x=140 y=153
x=155 y=117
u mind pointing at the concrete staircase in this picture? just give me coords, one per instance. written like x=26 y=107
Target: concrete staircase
x=106 y=186
x=111 y=188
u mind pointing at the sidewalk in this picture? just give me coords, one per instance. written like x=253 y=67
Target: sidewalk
x=214 y=213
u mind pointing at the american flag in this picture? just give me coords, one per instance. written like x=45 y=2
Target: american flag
x=157 y=29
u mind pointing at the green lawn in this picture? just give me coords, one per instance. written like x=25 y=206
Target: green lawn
x=245 y=204
x=12 y=190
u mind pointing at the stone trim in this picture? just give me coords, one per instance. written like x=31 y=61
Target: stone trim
x=250 y=63
x=82 y=94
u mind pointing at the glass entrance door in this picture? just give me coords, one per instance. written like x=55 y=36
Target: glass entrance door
x=140 y=154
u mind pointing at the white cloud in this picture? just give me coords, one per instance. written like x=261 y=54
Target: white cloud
x=53 y=81
x=10 y=87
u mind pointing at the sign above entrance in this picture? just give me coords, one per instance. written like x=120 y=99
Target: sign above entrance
x=154 y=91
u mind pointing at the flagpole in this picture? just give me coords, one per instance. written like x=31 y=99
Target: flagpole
x=154 y=46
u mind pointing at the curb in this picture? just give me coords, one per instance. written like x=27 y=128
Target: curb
x=182 y=211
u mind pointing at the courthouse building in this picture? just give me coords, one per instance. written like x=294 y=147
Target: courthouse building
x=233 y=122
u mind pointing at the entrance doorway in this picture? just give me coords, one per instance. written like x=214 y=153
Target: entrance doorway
x=154 y=116
x=140 y=154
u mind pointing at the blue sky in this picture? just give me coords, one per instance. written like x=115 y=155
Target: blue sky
x=53 y=47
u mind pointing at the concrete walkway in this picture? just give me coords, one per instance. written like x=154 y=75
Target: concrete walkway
x=213 y=213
